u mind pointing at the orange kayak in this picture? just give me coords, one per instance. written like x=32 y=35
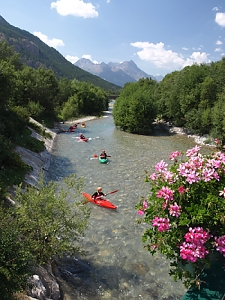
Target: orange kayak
x=100 y=202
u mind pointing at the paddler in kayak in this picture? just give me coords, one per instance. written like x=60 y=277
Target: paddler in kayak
x=98 y=193
x=103 y=155
x=82 y=137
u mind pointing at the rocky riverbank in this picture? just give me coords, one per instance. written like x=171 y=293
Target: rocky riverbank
x=205 y=140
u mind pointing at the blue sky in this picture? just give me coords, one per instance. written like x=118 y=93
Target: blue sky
x=160 y=36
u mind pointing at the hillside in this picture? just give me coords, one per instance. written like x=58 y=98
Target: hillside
x=35 y=53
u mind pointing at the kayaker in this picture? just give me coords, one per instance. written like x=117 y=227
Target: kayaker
x=82 y=137
x=103 y=154
x=98 y=193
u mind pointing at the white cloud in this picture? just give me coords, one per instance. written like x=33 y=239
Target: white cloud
x=88 y=56
x=162 y=58
x=220 y=19
x=184 y=48
x=76 y=8
x=219 y=43
x=72 y=59
x=108 y=1
x=218 y=50
x=215 y=8
x=52 y=43
x=196 y=58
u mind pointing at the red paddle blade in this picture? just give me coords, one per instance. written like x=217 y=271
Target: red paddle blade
x=112 y=192
x=95 y=155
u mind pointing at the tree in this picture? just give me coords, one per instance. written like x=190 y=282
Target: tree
x=135 y=110
x=15 y=258
x=52 y=218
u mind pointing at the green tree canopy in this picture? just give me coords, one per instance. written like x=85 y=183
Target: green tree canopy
x=135 y=110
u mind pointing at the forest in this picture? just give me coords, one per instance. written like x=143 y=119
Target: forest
x=193 y=98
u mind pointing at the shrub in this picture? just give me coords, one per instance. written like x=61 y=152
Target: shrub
x=186 y=213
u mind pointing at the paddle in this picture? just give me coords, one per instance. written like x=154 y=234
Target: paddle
x=95 y=156
x=111 y=192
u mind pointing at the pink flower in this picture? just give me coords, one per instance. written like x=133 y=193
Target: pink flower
x=216 y=141
x=220 y=244
x=140 y=212
x=194 y=151
x=174 y=155
x=181 y=189
x=153 y=177
x=165 y=193
x=175 y=210
x=222 y=193
x=161 y=166
x=194 y=247
x=145 y=204
x=161 y=223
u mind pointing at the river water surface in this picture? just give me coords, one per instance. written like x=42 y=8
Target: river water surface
x=116 y=266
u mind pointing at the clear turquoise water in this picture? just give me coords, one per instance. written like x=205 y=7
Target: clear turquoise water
x=117 y=266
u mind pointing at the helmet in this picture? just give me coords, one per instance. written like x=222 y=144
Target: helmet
x=99 y=189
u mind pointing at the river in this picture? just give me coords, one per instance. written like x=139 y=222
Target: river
x=116 y=266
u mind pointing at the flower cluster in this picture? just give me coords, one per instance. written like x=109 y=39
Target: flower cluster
x=194 y=247
x=186 y=209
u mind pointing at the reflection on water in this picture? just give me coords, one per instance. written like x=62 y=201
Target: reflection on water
x=116 y=266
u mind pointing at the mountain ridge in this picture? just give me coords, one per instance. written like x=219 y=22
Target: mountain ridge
x=117 y=73
x=35 y=53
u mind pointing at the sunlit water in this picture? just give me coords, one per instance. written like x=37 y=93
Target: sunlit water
x=117 y=266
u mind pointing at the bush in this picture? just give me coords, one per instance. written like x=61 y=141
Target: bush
x=15 y=258
x=51 y=224
x=185 y=212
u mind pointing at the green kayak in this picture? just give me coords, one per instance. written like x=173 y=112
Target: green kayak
x=103 y=160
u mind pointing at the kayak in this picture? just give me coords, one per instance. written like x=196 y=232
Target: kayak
x=83 y=140
x=103 y=160
x=100 y=202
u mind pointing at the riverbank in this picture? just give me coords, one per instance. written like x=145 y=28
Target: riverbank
x=205 y=140
x=40 y=162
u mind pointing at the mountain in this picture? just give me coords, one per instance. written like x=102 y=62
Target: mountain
x=35 y=53
x=117 y=73
x=116 y=76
